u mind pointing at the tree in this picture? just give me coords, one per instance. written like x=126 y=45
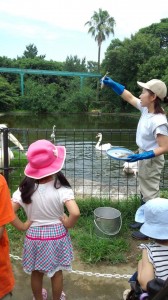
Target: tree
x=159 y=30
x=101 y=26
x=7 y=95
x=139 y=58
x=92 y=66
x=31 y=52
x=44 y=98
x=74 y=64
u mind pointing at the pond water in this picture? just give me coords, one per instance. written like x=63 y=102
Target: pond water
x=91 y=172
x=70 y=121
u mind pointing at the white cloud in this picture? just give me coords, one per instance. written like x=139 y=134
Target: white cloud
x=42 y=21
x=73 y=14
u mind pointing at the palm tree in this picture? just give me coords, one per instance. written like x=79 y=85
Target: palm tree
x=101 y=26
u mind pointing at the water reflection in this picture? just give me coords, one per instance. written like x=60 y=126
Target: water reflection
x=69 y=121
x=96 y=173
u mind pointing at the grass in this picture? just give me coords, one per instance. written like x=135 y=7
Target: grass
x=17 y=169
x=91 y=249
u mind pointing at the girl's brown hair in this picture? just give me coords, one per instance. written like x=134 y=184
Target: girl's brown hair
x=157 y=104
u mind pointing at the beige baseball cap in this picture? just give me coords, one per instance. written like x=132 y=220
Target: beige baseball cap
x=157 y=86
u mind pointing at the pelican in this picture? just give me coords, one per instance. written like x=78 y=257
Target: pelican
x=53 y=134
x=102 y=147
x=131 y=167
x=14 y=140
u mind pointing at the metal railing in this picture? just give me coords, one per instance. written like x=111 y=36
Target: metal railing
x=22 y=72
x=90 y=172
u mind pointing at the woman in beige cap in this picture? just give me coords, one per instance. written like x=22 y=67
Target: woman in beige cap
x=151 y=136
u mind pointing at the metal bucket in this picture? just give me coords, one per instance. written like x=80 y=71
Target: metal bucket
x=107 y=222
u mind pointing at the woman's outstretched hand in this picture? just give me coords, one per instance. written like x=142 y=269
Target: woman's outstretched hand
x=116 y=87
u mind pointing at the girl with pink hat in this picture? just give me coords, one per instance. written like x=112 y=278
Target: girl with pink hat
x=42 y=194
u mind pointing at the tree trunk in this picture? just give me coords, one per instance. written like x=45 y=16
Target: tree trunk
x=98 y=69
x=99 y=50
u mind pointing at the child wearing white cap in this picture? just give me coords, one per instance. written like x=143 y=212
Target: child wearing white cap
x=151 y=136
x=43 y=194
x=154 y=262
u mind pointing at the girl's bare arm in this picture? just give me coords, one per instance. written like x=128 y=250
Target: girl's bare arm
x=145 y=270
x=74 y=213
x=17 y=223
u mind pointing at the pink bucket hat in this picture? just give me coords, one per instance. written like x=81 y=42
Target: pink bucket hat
x=44 y=159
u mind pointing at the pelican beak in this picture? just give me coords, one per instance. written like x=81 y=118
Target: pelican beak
x=14 y=140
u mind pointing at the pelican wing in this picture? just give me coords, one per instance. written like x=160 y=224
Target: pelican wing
x=14 y=140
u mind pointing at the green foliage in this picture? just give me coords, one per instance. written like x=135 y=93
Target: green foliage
x=92 y=66
x=7 y=95
x=124 y=58
x=142 y=57
x=37 y=64
x=101 y=25
x=139 y=58
x=160 y=30
x=78 y=101
x=16 y=237
x=31 y=52
x=92 y=249
x=17 y=166
x=74 y=64
x=5 y=62
x=40 y=98
x=154 y=67
x=164 y=194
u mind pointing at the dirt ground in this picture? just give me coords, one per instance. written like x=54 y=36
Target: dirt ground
x=84 y=287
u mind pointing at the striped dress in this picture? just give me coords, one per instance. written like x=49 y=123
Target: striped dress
x=158 y=257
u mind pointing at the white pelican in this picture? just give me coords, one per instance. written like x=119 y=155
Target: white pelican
x=102 y=147
x=14 y=140
x=131 y=167
x=53 y=134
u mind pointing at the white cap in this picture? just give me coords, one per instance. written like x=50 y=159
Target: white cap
x=157 y=86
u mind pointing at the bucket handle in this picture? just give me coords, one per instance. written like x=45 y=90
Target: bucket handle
x=106 y=232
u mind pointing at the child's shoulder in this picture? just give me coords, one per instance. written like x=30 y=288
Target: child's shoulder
x=155 y=245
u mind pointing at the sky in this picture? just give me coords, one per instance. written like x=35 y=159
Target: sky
x=57 y=28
